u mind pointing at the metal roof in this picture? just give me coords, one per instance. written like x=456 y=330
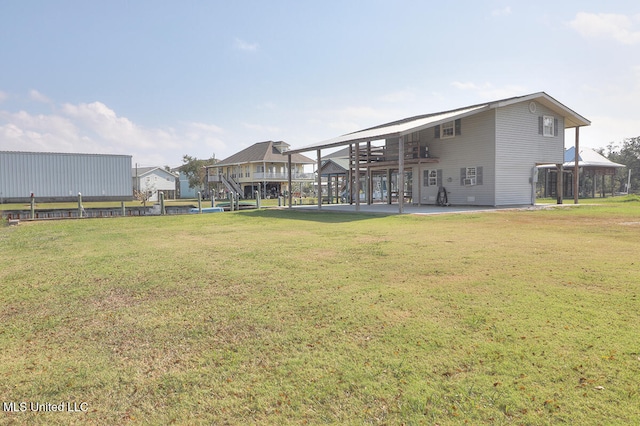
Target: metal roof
x=413 y=124
x=588 y=158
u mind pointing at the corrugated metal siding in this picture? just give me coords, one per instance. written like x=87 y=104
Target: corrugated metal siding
x=474 y=147
x=519 y=147
x=57 y=175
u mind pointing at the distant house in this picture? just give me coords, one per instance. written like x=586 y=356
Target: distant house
x=56 y=176
x=483 y=154
x=152 y=180
x=263 y=167
x=183 y=188
x=593 y=168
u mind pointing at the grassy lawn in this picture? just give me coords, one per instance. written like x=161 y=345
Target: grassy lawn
x=286 y=317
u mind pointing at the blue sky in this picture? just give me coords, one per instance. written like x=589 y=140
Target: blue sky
x=159 y=79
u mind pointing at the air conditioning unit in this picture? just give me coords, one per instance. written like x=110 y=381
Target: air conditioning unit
x=469 y=181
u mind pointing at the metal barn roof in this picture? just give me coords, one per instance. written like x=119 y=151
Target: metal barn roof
x=413 y=124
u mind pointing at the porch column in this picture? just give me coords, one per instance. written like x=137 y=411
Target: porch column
x=357 y=179
x=389 y=174
x=289 y=177
x=369 y=175
x=576 y=169
x=401 y=175
x=559 y=183
x=350 y=176
x=319 y=180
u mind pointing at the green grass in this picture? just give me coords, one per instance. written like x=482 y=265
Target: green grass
x=288 y=317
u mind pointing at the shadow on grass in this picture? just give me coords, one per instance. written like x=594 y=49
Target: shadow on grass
x=313 y=216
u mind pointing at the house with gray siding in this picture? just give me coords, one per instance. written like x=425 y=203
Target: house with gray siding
x=485 y=154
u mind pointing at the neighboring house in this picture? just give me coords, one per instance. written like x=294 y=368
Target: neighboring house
x=484 y=154
x=262 y=166
x=593 y=168
x=55 y=176
x=154 y=179
x=183 y=188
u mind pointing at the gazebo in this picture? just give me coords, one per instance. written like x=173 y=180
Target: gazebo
x=593 y=168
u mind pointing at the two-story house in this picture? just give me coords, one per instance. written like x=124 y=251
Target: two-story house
x=261 y=167
x=484 y=154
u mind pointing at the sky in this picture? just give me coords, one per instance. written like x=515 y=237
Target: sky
x=160 y=79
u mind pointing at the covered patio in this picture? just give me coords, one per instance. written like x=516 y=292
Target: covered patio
x=381 y=162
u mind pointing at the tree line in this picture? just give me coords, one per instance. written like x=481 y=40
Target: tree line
x=627 y=153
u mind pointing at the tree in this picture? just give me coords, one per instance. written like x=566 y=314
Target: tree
x=195 y=170
x=629 y=155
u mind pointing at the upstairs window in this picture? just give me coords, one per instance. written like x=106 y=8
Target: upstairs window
x=447 y=130
x=548 y=126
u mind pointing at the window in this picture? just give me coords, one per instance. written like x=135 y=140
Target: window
x=470 y=176
x=547 y=126
x=447 y=130
x=430 y=178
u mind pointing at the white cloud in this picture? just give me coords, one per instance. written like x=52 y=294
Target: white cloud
x=34 y=95
x=245 y=46
x=398 y=96
x=621 y=28
x=505 y=11
x=95 y=128
x=263 y=129
x=489 y=92
x=607 y=129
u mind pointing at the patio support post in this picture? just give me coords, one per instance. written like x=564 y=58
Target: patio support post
x=319 y=181
x=559 y=183
x=357 y=179
x=401 y=175
x=576 y=169
x=350 y=183
x=369 y=175
x=289 y=177
x=389 y=174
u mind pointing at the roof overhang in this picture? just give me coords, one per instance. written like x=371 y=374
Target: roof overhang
x=393 y=130
x=571 y=118
x=407 y=126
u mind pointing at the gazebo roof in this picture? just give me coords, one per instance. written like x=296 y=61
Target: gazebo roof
x=588 y=158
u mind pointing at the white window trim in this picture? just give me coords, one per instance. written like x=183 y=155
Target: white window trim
x=471 y=175
x=548 y=130
x=450 y=125
x=432 y=175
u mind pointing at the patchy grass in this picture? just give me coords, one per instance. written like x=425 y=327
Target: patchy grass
x=288 y=317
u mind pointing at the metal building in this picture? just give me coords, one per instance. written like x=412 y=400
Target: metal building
x=61 y=176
